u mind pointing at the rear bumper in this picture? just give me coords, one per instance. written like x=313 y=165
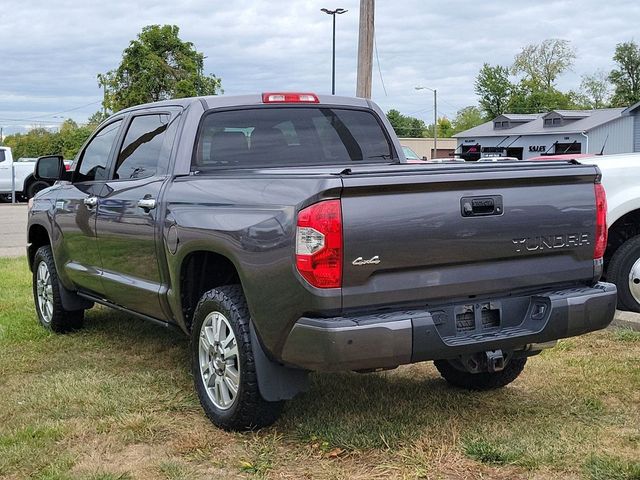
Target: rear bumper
x=382 y=340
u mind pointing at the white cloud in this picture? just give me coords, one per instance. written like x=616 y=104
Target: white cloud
x=51 y=52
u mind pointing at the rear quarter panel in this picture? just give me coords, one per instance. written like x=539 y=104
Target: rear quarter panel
x=250 y=219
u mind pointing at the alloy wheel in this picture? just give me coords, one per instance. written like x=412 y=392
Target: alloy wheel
x=219 y=360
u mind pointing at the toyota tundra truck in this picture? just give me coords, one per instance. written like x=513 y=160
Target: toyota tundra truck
x=286 y=233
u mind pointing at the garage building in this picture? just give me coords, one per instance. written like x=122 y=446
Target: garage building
x=606 y=130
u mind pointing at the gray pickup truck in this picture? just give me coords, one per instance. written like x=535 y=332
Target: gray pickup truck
x=286 y=233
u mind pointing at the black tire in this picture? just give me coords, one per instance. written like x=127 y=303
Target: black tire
x=58 y=320
x=249 y=410
x=483 y=380
x=619 y=270
x=36 y=186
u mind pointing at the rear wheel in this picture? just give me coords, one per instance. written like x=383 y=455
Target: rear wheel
x=46 y=294
x=624 y=271
x=223 y=366
x=461 y=378
x=35 y=187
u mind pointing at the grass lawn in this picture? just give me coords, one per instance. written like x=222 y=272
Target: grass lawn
x=115 y=401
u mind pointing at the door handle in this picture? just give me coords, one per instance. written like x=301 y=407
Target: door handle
x=91 y=201
x=147 y=203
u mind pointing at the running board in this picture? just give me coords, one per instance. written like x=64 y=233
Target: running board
x=107 y=303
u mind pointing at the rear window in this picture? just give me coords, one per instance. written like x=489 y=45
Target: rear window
x=290 y=136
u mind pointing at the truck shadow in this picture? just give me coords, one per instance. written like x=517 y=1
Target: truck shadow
x=352 y=410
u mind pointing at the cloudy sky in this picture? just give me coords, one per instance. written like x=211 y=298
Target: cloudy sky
x=51 y=50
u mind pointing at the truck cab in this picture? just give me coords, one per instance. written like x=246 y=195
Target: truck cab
x=17 y=175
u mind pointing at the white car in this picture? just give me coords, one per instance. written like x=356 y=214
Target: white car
x=621 y=181
x=26 y=185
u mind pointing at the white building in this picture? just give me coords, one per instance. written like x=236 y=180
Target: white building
x=607 y=130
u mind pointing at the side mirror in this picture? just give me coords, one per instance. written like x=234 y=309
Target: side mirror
x=49 y=168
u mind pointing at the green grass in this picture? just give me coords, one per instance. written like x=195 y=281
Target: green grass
x=115 y=400
x=612 y=468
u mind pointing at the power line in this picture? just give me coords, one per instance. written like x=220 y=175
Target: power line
x=375 y=44
x=39 y=117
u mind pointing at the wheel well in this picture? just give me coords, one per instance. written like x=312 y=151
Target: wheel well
x=200 y=272
x=27 y=181
x=623 y=229
x=38 y=237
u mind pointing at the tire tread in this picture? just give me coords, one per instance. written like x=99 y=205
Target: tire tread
x=62 y=321
x=484 y=380
x=252 y=411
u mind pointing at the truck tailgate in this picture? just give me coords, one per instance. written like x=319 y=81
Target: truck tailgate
x=417 y=236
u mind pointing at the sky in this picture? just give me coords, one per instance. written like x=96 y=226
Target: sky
x=52 y=50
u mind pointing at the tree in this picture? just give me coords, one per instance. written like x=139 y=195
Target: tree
x=466 y=118
x=97 y=118
x=37 y=142
x=543 y=63
x=405 y=125
x=158 y=65
x=626 y=78
x=493 y=87
x=595 y=89
x=530 y=97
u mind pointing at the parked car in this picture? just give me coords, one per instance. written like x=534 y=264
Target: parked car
x=446 y=160
x=498 y=159
x=562 y=156
x=26 y=185
x=284 y=234
x=409 y=154
x=620 y=175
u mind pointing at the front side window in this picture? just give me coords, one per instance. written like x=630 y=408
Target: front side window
x=95 y=158
x=143 y=151
x=2 y=157
x=286 y=136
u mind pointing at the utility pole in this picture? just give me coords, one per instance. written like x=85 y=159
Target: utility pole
x=435 y=123
x=365 y=49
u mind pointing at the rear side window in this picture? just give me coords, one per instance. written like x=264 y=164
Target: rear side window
x=144 y=150
x=290 y=136
x=2 y=157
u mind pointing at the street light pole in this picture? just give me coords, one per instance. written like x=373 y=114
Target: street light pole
x=435 y=118
x=333 y=13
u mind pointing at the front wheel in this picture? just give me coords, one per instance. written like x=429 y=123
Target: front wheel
x=46 y=294
x=223 y=366
x=458 y=377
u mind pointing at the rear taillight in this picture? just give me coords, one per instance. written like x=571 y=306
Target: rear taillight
x=601 y=222
x=290 y=98
x=319 y=244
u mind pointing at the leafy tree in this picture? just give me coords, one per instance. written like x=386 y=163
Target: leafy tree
x=97 y=118
x=543 y=63
x=466 y=118
x=405 y=125
x=531 y=97
x=35 y=143
x=493 y=87
x=158 y=65
x=595 y=89
x=445 y=128
x=40 y=141
x=626 y=78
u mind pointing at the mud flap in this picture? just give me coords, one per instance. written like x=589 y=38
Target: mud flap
x=276 y=382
